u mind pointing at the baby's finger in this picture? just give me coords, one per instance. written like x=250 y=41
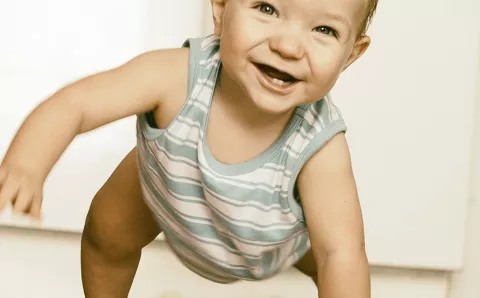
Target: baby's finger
x=3 y=175
x=8 y=192
x=23 y=201
x=36 y=210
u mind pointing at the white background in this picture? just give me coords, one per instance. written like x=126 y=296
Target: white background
x=409 y=106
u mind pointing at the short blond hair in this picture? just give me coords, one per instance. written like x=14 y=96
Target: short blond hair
x=367 y=20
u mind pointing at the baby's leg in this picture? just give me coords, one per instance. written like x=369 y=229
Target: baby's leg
x=307 y=265
x=118 y=226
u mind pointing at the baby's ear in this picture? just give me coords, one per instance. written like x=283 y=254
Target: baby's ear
x=218 y=8
x=361 y=46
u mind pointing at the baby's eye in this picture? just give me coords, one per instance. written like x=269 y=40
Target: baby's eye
x=267 y=9
x=325 y=30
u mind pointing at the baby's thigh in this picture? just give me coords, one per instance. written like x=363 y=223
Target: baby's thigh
x=307 y=265
x=118 y=219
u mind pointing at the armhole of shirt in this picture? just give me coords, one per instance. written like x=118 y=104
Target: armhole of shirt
x=316 y=144
x=146 y=121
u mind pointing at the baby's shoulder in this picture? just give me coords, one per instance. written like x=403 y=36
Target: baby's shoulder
x=165 y=67
x=321 y=116
x=321 y=123
x=177 y=66
x=173 y=72
x=167 y=73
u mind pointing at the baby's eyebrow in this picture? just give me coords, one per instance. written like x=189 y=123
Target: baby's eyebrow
x=338 y=18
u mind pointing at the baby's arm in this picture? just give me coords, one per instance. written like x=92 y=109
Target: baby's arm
x=334 y=219
x=139 y=85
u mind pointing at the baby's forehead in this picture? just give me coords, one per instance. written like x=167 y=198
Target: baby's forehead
x=351 y=9
x=350 y=12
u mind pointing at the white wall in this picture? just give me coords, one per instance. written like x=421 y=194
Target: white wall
x=465 y=284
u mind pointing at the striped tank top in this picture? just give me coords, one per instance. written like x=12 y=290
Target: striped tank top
x=228 y=222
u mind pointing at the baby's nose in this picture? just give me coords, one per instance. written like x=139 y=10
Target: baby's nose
x=287 y=45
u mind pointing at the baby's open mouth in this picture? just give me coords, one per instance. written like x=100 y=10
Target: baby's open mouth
x=278 y=77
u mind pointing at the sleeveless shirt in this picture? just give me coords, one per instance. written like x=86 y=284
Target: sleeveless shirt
x=228 y=222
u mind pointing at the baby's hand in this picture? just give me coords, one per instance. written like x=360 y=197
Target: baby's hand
x=22 y=190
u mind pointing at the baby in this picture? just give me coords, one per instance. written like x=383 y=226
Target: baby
x=241 y=158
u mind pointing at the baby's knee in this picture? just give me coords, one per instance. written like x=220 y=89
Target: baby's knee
x=103 y=230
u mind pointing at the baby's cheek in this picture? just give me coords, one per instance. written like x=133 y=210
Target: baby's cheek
x=321 y=86
x=326 y=73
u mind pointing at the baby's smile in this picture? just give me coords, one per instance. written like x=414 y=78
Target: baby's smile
x=277 y=80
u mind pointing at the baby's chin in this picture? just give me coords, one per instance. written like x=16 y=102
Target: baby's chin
x=271 y=104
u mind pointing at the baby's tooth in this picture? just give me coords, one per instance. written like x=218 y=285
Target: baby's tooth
x=278 y=82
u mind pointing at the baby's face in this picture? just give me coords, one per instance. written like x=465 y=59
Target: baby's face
x=283 y=53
